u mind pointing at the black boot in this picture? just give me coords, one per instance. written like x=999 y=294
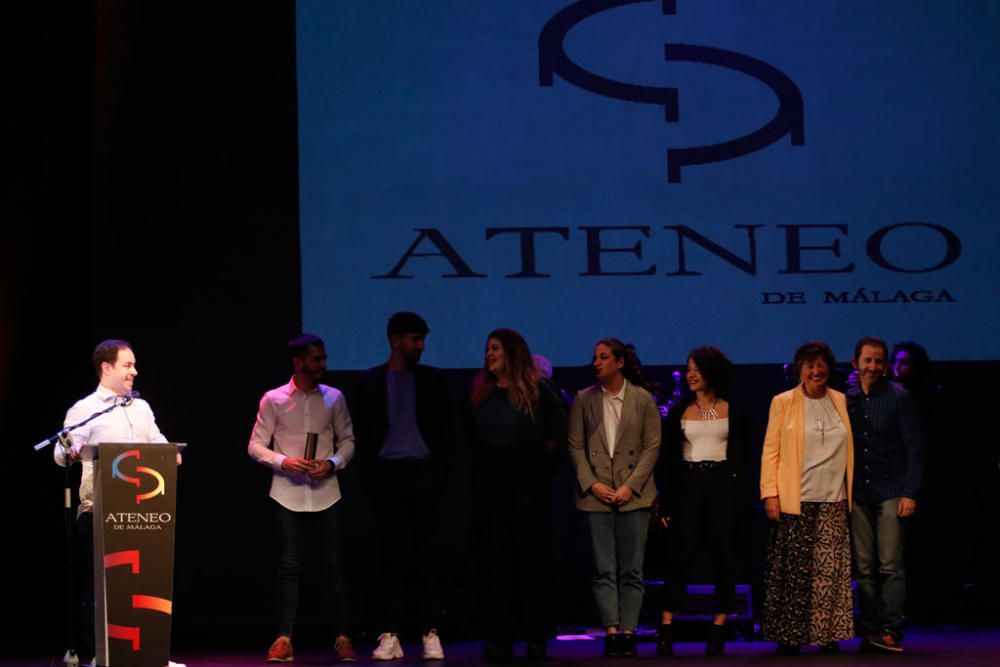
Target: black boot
x=665 y=641
x=498 y=651
x=613 y=645
x=628 y=644
x=536 y=650
x=716 y=640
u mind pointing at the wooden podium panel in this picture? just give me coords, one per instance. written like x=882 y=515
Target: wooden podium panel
x=135 y=500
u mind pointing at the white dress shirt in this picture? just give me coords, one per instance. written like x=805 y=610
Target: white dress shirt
x=287 y=415
x=131 y=423
x=612 y=415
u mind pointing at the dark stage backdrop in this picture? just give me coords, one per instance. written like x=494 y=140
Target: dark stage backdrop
x=153 y=195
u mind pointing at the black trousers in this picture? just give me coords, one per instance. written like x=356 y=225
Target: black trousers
x=406 y=499
x=704 y=513
x=86 y=639
x=515 y=548
x=294 y=530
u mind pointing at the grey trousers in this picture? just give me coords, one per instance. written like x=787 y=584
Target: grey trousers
x=619 y=545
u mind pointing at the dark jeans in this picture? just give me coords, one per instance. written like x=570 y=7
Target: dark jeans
x=406 y=499
x=878 y=535
x=292 y=528
x=704 y=512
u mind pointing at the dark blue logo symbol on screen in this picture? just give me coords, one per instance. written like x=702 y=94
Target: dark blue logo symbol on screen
x=552 y=60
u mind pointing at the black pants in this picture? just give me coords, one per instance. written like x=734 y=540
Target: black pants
x=293 y=531
x=85 y=586
x=406 y=499
x=704 y=512
x=515 y=548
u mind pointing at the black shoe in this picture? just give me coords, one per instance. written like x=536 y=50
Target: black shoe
x=628 y=644
x=829 y=647
x=498 y=652
x=788 y=649
x=716 y=640
x=536 y=650
x=665 y=641
x=613 y=645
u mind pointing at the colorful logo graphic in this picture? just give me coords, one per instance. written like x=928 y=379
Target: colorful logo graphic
x=118 y=474
x=552 y=60
x=128 y=633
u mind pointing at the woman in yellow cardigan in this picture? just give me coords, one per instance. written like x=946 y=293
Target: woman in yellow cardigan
x=805 y=481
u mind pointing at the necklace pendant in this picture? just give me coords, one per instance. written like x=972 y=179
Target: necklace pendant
x=710 y=413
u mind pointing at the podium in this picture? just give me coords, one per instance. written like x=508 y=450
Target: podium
x=135 y=501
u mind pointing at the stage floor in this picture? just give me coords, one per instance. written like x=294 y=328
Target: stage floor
x=924 y=646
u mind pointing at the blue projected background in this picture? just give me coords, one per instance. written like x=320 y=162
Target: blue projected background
x=747 y=174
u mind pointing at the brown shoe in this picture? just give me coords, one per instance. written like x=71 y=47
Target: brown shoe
x=281 y=650
x=345 y=652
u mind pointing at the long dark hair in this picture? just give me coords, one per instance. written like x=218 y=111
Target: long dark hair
x=632 y=369
x=522 y=374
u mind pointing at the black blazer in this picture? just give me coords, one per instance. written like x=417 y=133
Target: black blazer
x=370 y=413
x=669 y=467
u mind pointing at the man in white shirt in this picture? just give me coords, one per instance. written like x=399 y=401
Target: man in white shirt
x=303 y=433
x=131 y=420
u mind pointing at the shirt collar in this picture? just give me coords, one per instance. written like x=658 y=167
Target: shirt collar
x=292 y=388
x=620 y=396
x=879 y=387
x=105 y=394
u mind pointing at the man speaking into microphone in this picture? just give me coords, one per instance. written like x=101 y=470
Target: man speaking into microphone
x=130 y=420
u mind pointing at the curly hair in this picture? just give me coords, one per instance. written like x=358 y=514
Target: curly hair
x=715 y=367
x=920 y=362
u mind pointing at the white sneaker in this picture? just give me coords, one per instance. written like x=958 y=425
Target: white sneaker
x=388 y=647
x=171 y=663
x=432 y=646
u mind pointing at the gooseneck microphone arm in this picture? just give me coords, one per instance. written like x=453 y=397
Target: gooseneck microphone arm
x=61 y=436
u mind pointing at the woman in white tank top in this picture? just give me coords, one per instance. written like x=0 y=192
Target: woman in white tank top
x=702 y=454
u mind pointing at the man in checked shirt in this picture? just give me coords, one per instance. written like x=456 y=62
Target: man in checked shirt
x=888 y=463
x=304 y=484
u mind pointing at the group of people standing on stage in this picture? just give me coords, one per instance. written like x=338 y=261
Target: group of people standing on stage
x=833 y=466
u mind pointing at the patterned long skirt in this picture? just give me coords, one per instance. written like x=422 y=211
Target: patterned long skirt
x=807 y=577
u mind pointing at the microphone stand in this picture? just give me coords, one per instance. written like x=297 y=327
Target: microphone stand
x=70 y=658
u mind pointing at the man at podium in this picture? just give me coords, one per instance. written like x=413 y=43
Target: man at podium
x=309 y=426
x=131 y=421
